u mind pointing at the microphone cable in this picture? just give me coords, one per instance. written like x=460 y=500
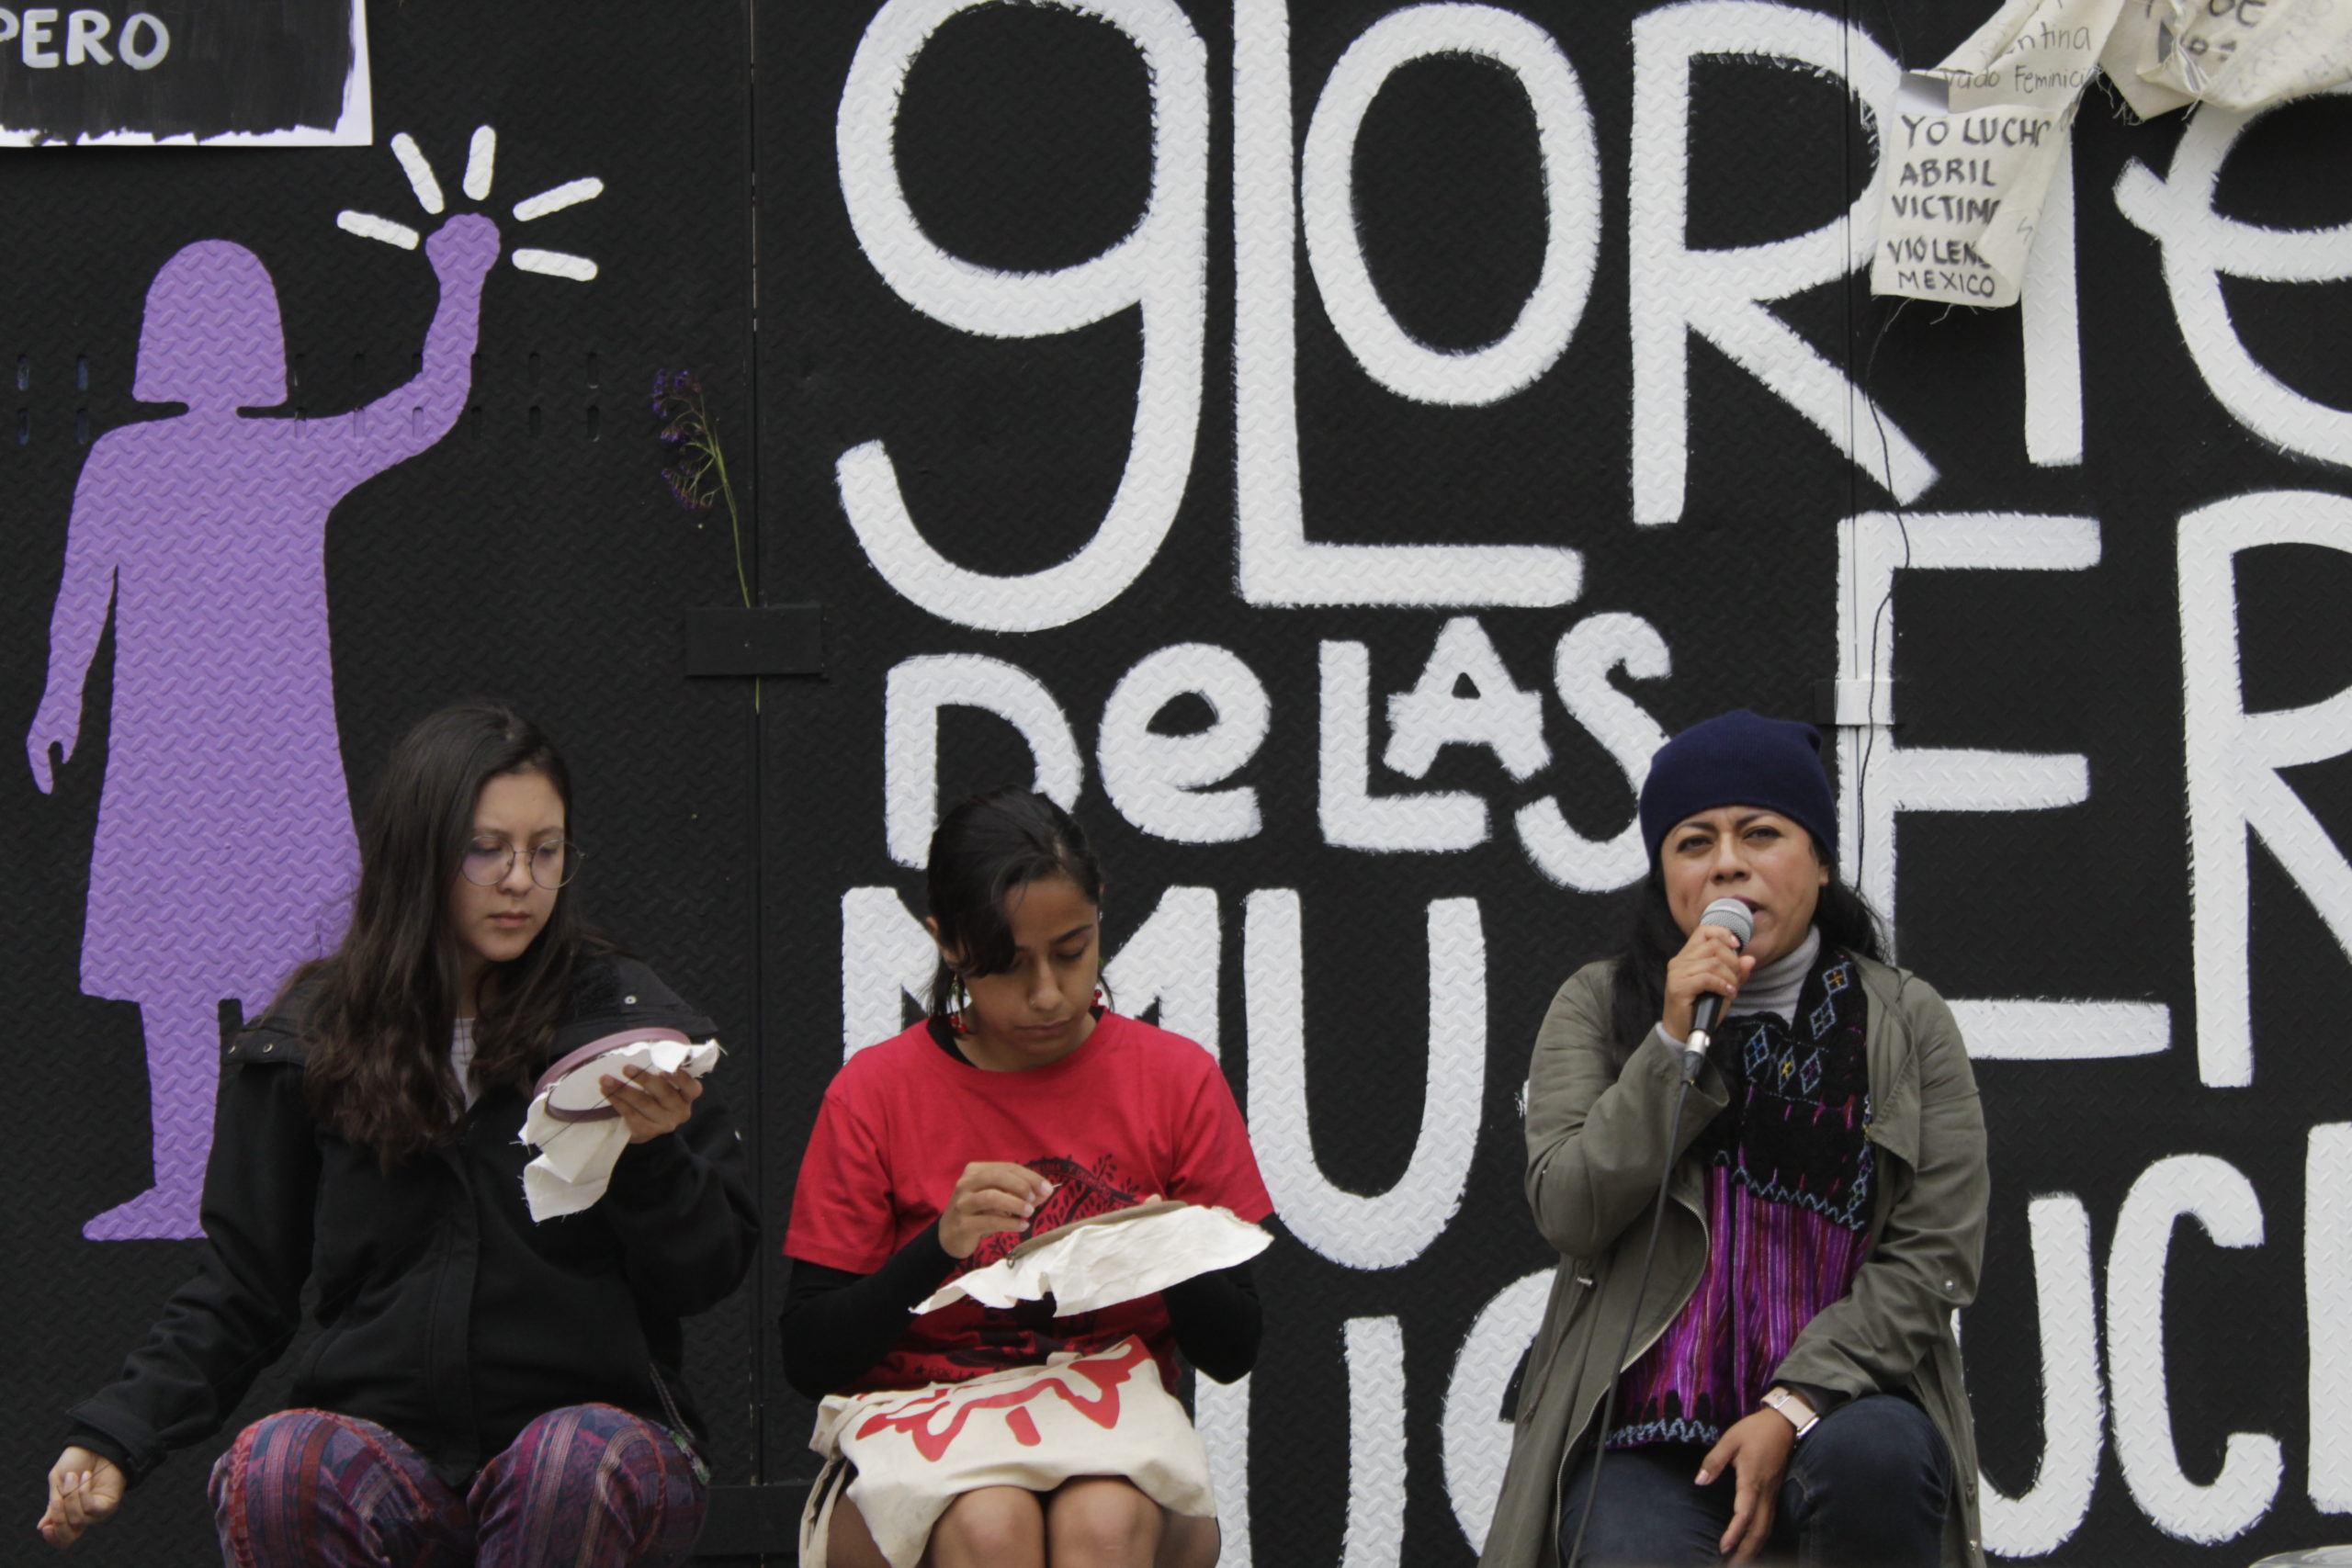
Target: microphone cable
x=1626 y=1344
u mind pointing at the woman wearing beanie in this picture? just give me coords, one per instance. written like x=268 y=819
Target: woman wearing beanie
x=1790 y=1383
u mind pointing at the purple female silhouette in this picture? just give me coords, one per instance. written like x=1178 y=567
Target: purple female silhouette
x=224 y=850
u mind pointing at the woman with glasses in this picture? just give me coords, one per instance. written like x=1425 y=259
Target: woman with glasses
x=483 y=1388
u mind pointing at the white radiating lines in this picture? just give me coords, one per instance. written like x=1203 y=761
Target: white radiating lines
x=556 y=264
x=556 y=200
x=482 y=160
x=367 y=226
x=419 y=171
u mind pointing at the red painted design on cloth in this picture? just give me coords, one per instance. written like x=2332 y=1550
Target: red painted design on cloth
x=1081 y=1192
x=1106 y=1373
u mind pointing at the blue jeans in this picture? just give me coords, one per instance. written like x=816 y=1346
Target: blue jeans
x=1867 y=1488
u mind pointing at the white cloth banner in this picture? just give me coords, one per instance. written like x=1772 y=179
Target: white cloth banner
x=2242 y=54
x=1976 y=141
x=1974 y=147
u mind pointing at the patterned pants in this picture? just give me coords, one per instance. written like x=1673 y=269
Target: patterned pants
x=588 y=1487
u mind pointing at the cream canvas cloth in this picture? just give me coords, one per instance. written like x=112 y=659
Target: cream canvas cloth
x=904 y=1455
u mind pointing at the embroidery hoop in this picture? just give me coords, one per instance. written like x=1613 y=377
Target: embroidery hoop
x=575 y=1060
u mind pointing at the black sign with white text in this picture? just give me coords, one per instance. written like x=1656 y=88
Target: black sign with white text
x=285 y=72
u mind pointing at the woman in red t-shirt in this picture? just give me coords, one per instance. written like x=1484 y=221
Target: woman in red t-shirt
x=1019 y=1104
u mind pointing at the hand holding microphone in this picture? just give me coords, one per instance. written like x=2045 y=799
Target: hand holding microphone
x=1705 y=975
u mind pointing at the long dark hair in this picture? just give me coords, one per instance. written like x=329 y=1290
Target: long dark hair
x=984 y=849
x=1637 y=995
x=377 y=1071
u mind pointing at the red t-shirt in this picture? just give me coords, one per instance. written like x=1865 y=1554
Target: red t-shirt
x=1134 y=1113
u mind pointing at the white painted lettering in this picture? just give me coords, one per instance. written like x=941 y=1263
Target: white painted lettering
x=1351 y=815
x=1172 y=961
x=887 y=959
x=1375 y=1529
x=2218 y=1196
x=40 y=24
x=912 y=696
x=1159 y=783
x=1277 y=563
x=2327 y=1287
x=1476 y=1431
x=2049 y=318
x=1878 y=779
x=1160 y=267
x=83 y=32
x=2047 y=1513
x=1495 y=714
x=147 y=54
x=2327 y=1298
x=2200 y=247
x=1563 y=132
x=1390 y=1229
x=2235 y=759
x=1580 y=668
x=1721 y=295
x=1221 y=1411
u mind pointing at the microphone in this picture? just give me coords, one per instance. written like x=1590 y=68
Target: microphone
x=1733 y=916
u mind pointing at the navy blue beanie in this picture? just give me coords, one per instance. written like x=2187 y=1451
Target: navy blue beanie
x=1739 y=759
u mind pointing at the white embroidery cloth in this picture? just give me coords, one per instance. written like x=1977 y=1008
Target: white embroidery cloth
x=576 y=1158
x=1109 y=1258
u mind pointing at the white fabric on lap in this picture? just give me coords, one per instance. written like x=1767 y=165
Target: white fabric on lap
x=914 y=1451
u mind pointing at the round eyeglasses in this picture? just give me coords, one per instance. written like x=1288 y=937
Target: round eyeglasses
x=489 y=862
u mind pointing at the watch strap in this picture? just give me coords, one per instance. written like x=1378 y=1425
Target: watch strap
x=1793 y=1409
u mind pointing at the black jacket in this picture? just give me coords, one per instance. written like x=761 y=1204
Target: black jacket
x=445 y=1315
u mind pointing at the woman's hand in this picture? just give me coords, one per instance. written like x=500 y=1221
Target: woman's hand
x=84 y=1489
x=990 y=1198
x=1756 y=1452
x=651 y=1103
x=1709 y=961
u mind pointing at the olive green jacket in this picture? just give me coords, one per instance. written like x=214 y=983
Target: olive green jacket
x=1596 y=1140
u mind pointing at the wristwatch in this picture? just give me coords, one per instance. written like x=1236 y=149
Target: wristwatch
x=1793 y=1409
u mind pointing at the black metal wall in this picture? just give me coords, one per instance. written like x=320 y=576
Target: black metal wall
x=2039 y=608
